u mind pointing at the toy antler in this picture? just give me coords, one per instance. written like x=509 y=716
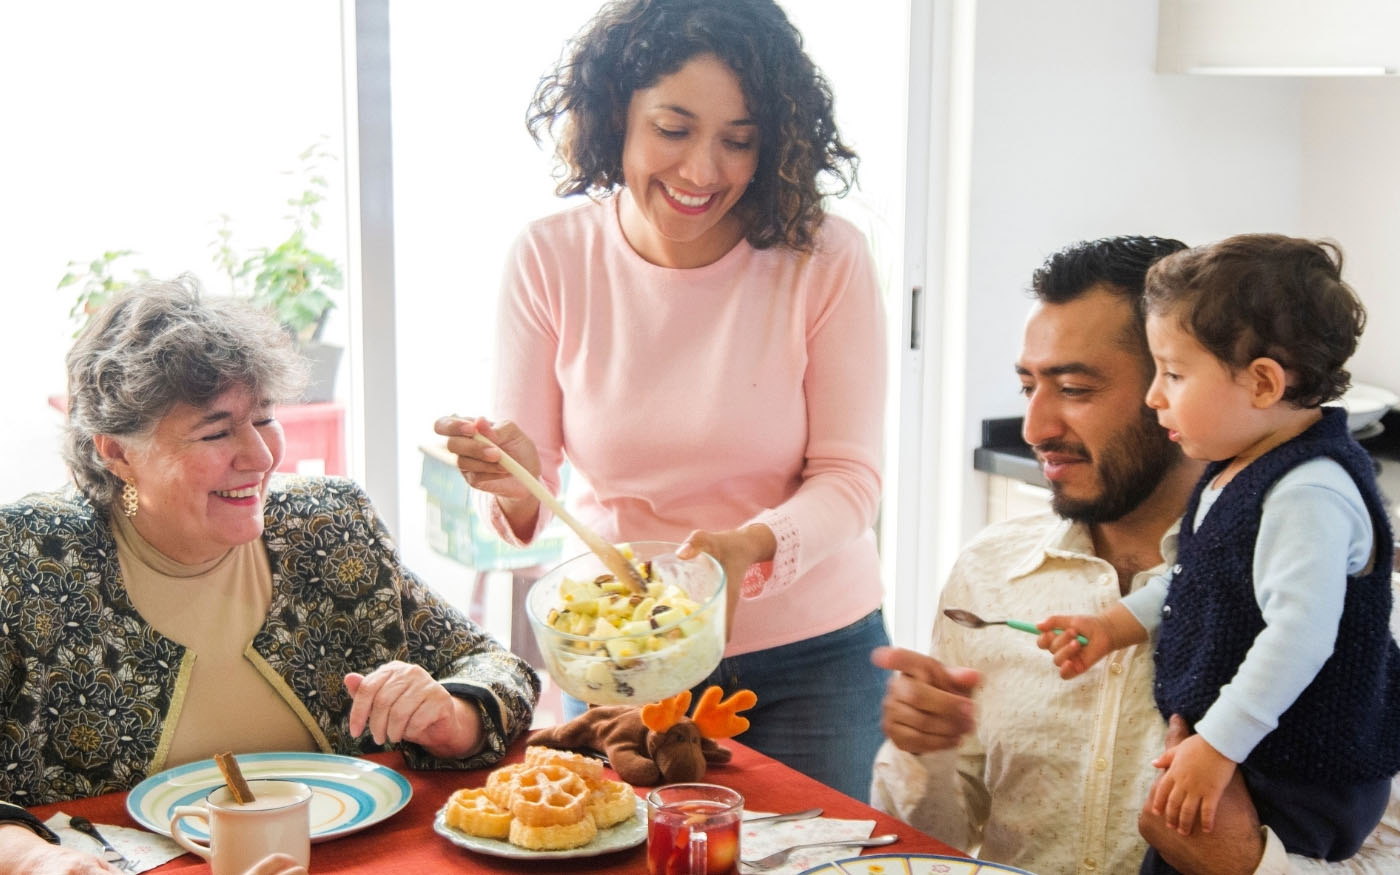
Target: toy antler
x=661 y=716
x=718 y=719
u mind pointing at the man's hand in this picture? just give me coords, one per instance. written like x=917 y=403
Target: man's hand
x=927 y=705
x=1234 y=847
x=402 y=702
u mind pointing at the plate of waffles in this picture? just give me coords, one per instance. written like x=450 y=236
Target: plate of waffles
x=628 y=834
x=553 y=804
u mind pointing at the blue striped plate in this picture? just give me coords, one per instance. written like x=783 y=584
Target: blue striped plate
x=349 y=794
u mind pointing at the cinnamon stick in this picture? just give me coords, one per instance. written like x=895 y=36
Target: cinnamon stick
x=242 y=793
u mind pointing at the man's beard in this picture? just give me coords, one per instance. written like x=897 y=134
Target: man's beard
x=1132 y=463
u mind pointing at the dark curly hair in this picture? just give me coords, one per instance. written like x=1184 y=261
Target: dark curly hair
x=631 y=44
x=1266 y=296
x=1118 y=264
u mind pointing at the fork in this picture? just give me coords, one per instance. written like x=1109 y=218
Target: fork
x=112 y=855
x=778 y=858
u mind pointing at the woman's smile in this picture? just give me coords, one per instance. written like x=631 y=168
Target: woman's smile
x=690 y=150
x=691 y=204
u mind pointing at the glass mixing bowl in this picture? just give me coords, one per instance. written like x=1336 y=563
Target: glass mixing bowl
x=651 y=646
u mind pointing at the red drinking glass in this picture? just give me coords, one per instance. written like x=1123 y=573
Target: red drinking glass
x=693 y=829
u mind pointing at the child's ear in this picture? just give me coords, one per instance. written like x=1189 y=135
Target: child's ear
x=1267 y=381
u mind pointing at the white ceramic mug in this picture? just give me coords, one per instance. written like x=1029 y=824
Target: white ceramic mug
x=277 y=821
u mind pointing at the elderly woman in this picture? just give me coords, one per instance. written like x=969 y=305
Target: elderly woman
x=184 y=600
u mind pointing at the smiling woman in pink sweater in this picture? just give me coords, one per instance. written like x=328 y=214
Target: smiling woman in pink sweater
x=706 y=348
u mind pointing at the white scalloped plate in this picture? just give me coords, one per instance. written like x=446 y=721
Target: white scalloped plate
x=627 y=834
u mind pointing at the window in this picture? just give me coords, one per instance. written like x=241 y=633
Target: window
x=138 y=130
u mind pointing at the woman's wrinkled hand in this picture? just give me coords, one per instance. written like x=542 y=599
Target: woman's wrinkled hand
x=402 y=702
x=24 y=853
x=736 y=550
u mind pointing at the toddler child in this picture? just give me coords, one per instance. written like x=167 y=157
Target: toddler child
x=1273 y=638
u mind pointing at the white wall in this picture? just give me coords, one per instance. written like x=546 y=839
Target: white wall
x=1351 y=194
x=1075 y=137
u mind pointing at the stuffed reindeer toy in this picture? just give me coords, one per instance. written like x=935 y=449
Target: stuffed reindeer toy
x=657 y=743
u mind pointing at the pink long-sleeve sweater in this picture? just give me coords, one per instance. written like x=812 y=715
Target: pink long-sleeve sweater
x=748 y=390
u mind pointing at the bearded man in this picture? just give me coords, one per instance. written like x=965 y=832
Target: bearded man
x=1046 y=774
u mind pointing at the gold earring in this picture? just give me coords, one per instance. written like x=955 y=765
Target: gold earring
x=129 y=500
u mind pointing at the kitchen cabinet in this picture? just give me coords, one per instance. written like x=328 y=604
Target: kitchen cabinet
x=1015 y=484
x=1279 y=37
x=1008 y=497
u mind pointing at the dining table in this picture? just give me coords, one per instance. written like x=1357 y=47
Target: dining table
x=406 y=843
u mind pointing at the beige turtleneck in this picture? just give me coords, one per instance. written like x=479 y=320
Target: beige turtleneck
x=214 y=610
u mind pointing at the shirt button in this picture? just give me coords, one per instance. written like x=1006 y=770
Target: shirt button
x=1100 y=764
x=1166 y=610
x=1115 y=667
x=1090 y=863
x=1176 y=569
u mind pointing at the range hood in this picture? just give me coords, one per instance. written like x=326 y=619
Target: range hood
x=1279 y=37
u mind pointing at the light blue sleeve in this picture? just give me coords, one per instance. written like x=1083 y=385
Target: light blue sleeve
x=1315 y=531
x=1145 y=603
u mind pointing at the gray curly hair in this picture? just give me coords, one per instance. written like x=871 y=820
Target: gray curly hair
x=156 y=345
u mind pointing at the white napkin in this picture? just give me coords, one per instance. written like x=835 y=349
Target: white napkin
x=145 y=850
x=761 y=839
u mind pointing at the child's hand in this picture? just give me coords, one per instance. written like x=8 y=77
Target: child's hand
x=1072 y=657
x=1196 y=776
x=1113 y=629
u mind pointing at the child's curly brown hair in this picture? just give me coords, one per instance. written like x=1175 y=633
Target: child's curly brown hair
x=630 y=44
x=1266 y=296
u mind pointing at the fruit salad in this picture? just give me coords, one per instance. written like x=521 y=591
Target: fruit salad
x=624 y=647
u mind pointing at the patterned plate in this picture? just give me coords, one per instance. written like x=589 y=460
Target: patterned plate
x=627 y=834
x=911 y=864
x=349 y=793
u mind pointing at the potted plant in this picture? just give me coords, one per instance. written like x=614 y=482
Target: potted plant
x=291 y=279
x=97 y=283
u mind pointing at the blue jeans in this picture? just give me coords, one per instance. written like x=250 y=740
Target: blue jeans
x=818 y=705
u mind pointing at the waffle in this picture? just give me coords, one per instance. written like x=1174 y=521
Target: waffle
x=554 y=800
x=473 y=812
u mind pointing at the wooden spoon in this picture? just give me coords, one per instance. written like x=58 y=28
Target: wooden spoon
x=612 y=560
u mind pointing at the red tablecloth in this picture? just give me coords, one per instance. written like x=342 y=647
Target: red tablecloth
x=406 y=843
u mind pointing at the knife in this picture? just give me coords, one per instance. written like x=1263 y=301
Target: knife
x=780 y=818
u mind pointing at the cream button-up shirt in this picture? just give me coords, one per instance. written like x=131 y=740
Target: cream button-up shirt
x=1055 y=773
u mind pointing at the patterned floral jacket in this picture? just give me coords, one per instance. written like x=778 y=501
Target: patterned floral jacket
x=90 y=693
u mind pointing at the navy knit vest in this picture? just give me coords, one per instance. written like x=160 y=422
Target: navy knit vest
x=1345 y=727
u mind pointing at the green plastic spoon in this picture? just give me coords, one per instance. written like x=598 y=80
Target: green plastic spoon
x=971 y=620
